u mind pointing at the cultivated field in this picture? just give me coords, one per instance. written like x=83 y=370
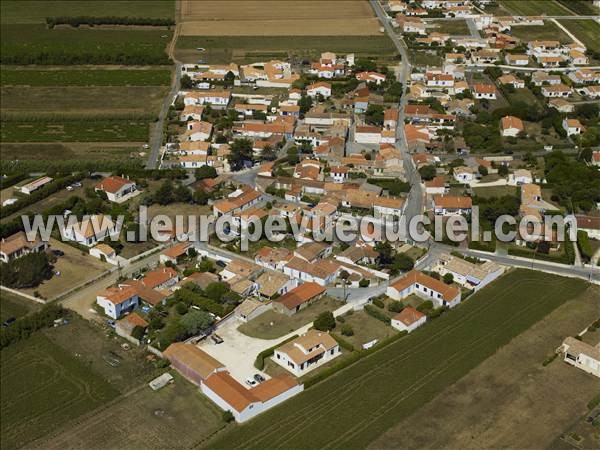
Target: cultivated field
x=70 y=151
x=453 y=27
x=587 y=31
x=86 y=77
x=536 y=8
x=505 y=401
x=42 y=387
x=368 y=398
x=547 y=31
x=276 y=18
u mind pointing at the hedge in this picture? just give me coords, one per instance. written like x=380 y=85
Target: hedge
x=583 y=243
x=23 y=327
x=11 y=180
x=343 y=342
x=374 y=312
x=76 y=21
x=259 y=362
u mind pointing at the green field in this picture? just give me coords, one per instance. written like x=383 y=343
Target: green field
x=587 y=31
x=547 y=31
x=14 y=306
x=240 y=48
x=89 y=77
x=581 y=7
x=535 y=7
x=454 y=27
x=43 y=386
x=75 y=131
x=366 y=399
x=35 y=44
x=23 y=11
x=68 y=151
x=495 y=191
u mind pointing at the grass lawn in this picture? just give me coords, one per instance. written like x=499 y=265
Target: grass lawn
x=271 y=325
x=495 y=191
x=220 y=49
x=75 y=267
x=367 y=398
x=587 y=31
x=14 y=306
x=25 y=11
x=547 y=31
x=43 y=387
x=535 y=7
x=366 y=328
x=453 y=27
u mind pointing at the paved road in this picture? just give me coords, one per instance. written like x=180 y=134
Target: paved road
x=473 y=28
x=156 y=133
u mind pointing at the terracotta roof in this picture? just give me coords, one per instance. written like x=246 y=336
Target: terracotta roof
x=113 y=184
x=484 y=88
x=408 y=316
x=193 y=358
x=307 y=346
x=301 y=294
x=414 y=276
x=319 y=84
x=273 y=387
x=118 y=295
x=157 y=277
x=135 y=319
x=177 y=250
x=512 y=122
x=453 y=202
x=230 y=390
x=16 y=242
x=588 y=222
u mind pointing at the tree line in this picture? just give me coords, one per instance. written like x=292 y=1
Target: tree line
x=23 y=327
x=76 y=21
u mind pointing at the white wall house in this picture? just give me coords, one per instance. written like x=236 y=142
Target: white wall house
x=118 y=300
x=409 y=319
x=307 y=352
x=426 y=287
x=367 y=134
x=581 y=355
x=90 y=231
x=117 y=189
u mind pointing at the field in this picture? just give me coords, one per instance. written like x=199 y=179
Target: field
x=14 y=306
x=547 y=31
x=392 y=383
x=535 y=8
x=255 y=48
x=83 y=77
x=43 y=386
x=365 y=328
x=25 y=11
x=503 y=402
x=587 y=31
x=453 y=27
x=271 y=325
x=274 y=18
x=495 y=191
x=70 y=151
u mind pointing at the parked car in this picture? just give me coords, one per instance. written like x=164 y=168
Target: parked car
x=221 y=263
x=251 y=381
x=216 y=339
x=259 y=378
x=76 y=184
x=8 y=322
x=69 y=188
x=110 y=323
x=58 y=253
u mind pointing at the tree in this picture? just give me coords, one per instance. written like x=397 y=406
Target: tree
x=27 y=271
x=229 y=79
x=268 y=153
x=386 y=253
x=182 y=194
x=374 y=115
x=427 y=172
x=364 y=283
x=186 y=82
x=305 y=103
x=503 y=170
x=448 y=278
x=292 y=155
x=482 y=171
x=325 y=321
x=395 y=306
x=164 y=193
x=206 y=265
x=215 y=291
x=195 y=322
x=173 y=332
x=227 y=416
x=204 y=172
x=241 y=153
x=402 y=262
x=200 y=197
x=347 y=330
x=138 y=332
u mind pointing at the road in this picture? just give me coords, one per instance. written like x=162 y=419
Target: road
x=473 y=28
x=156 y=133
x=414 y=202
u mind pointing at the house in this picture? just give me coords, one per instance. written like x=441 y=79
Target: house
x=273 y=258
x=409 y=319
x=251 y=308
x=124 y=327
x=358 y=254
x=436 y=186
x=192 y=363
x=219 y=99
x=484 y=91
x=104 y=252
x=442 y=80
x=307 y=352
x=371 y=77
x=484 y=56
x=201 y=279
x=34 y=185
x=449 y=205
x=426 y=287
x=523 y=176
x=322 y=272
x=390 y=118
x=561 y=105
x=197 y=131
x=319 y=88
x=244 y=404
x=367 y=134
x=468 y=274
x=589 y=224
x=271 y=284
x=237 y=201
x=516 y=60
x=17 y=245
x=578 y=58
x=581 y=355
x=90 y=230
x=298 y=298
x=550 y=61
x=411 y=24
x=556 y=90
x=463 y=174
x=312 y=251
x=596 y=158
x=540 y=78
x=117 y=189
x=388 y=206
x=160 y=278
x=511 y=126
x=118 y=300
x=591 y=91
x=191 y=112
x=238 y=269
x=175 y=253
x=572 y=126
x=511 y=80
x=339 y=174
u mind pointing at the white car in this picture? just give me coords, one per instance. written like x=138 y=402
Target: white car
x=251 y=381
x=146 y=146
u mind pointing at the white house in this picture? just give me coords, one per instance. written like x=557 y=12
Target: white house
x=464 y=174
x=18 y=245
x=323 y=271
x=371 y=77
x=367 y=134
x=572 y=126
x=90 y=230
x=556 y=91
x=409 y=319
x=105 y=252
x=320 y=87
x=307 y=352
x=448 y=205
x=581 y=355
x=213 y=98
x=198 y=131
x=523 y=176
x=339 y=174
x=118 y=300
x=426 y=287
x=511 y=126
x=484 y=91
x=468 y=274
x=34 y=185
x=117 y=189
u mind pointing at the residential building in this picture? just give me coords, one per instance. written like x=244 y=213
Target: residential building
x=511 y=126
x=91 y=230
x=298 y=298
x=319 y=88
x=237 y=201
x=322 y=272
x=468 y=274
x=523 y=176
x=250 y=309
x=572 y=126
x=117 y=189
x=556 y=90
x=191 y=362
x=409 y=319
x=426 y=287
x=17 y=245
x=449 y=205
x=272 y=284
x=118 y=300
x=581 y=355
x=307 y=352
x=484 y=91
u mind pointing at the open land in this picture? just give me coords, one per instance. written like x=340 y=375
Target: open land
x=547 y=31
x=496 y=404
x=454 y=27
x=587 y=31
x=12 y=305
x=70 y=150
x=536 y=7
x=94 y=76
x=391 y=383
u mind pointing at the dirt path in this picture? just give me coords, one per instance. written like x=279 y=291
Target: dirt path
x=510 y=400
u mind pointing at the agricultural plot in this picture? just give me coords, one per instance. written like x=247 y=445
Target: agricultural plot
x=42 y=387
x=547 y=31
x=366 y=399
x=36 y=11
x=79 y=77
x=453 y=27
x=587 y=31
x=536 y=8
x=88 y=151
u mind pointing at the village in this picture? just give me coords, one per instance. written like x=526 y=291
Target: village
x=480 y=121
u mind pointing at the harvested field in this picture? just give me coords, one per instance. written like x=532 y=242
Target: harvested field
x=511 y=400
x=274 y=18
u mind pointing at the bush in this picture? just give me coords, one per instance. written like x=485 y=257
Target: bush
x=137 y=332
x=395 y=306
x=76 y=21
x=181 y=308
x=27 y=271
x=364 y=283
x=583 y=243
x=227 y=416
x=448 y=278
x=378 y=302
x=23 y=327
x=325 y=321
x=376 y=313
x=347 y=330
x=343 y=343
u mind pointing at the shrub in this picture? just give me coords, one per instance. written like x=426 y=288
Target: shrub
x=448 y=278
x=325 y=321
x=227 y=416
x=376 y=313
x=343 y=343
x=181 y=308
x=24 y=326
x=364 y=283
x=395 y=306
x=347 y=330
x=378 y=302
x=259 y=362
x=137 y=332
